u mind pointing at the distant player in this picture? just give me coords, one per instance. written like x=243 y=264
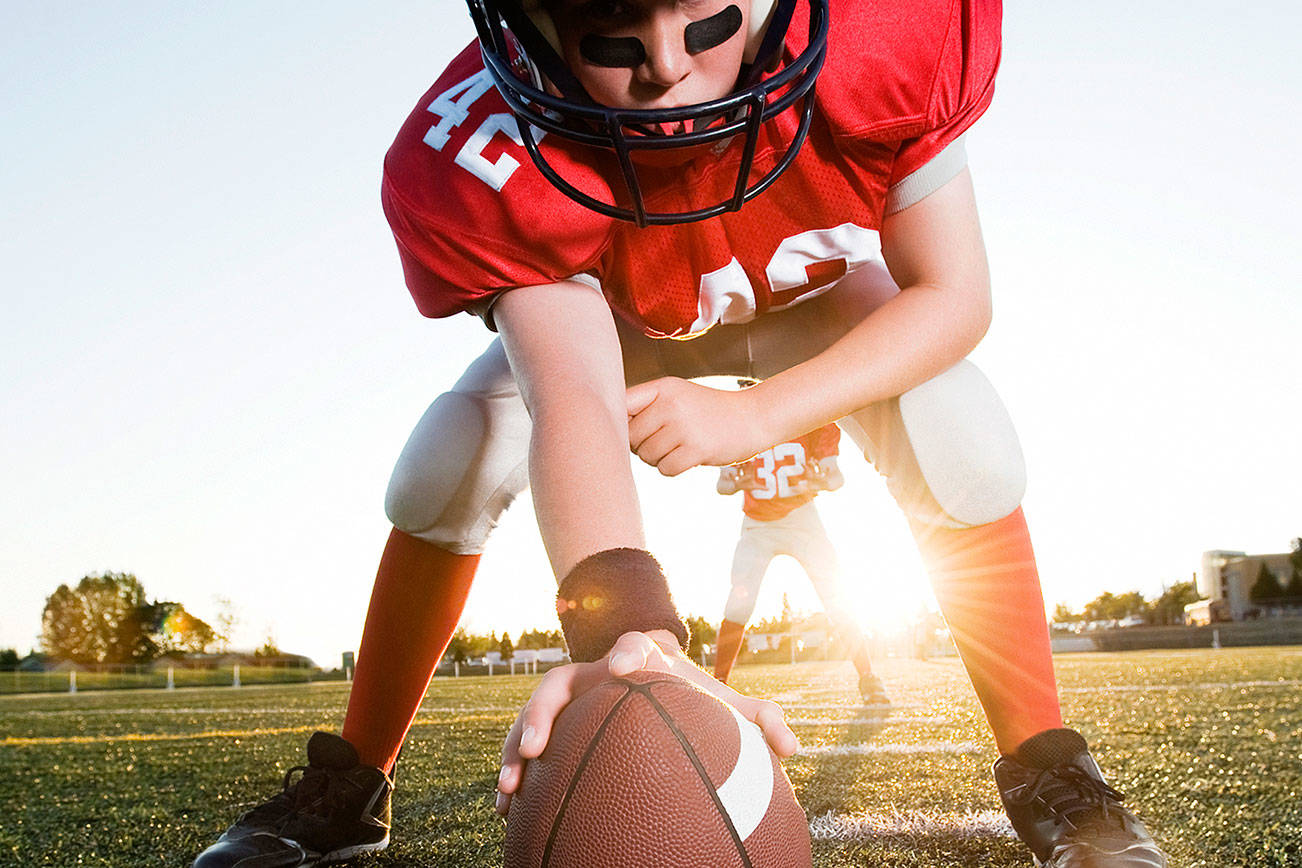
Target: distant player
x=779 y=487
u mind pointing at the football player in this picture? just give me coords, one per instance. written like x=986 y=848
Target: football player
x=594 y=176
x=779 y=486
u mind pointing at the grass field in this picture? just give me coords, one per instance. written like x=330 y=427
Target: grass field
x=1207 y=744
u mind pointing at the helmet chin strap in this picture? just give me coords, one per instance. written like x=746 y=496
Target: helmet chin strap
x=778 y=19
x=761 y=11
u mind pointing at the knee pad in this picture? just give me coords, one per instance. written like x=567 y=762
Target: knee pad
x=465 y=461
x=965 y=445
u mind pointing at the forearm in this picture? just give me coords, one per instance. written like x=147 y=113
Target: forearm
x=565 y=354
x=582 y=481
x=935 y=252
x=922 y=332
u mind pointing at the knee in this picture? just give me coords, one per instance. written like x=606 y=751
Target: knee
x=462 y=466
x=965 y=446
x=740 y=605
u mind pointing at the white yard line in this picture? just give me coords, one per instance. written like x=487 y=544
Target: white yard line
x=961 y=747
x=1200 y=685
x=885 y=719
x=859 y=827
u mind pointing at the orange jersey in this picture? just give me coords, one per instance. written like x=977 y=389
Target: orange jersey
x=781 y=478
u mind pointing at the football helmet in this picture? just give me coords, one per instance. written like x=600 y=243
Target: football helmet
x=520 y=51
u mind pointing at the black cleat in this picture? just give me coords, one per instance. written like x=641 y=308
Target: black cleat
x=873 y=692
x=337 y=809
x=1063 y=810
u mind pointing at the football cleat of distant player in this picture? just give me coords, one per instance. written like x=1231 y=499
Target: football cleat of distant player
x=523 y=55
x=1065 y=812
x=335 y=809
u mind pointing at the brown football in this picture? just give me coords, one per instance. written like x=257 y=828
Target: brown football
x=651 y=770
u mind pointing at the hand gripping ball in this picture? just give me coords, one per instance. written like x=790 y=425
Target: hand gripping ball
x=651 y=770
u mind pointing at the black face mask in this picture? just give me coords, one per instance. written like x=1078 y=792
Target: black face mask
x=628 y=52
x=518 y=57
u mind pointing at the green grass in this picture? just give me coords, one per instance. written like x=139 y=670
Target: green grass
x=1206 y=744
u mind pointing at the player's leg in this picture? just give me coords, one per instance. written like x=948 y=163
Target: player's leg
x=462 y=466
x=749 y=563
x=812 y=548
x=952 y=461
x=464 y=463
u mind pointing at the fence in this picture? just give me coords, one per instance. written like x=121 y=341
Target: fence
x=139 y=677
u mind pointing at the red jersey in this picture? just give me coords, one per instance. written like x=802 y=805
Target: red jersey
x=781 y=474
x=473 y=217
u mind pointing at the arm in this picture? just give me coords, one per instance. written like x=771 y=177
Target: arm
x=565 y=355
x=729 y=480
x=935 y=252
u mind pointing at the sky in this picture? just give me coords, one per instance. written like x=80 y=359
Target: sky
x=209 y=362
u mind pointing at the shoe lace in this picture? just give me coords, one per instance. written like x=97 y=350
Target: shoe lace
x=319 y=792
x=1076 y=797
x=316 y=792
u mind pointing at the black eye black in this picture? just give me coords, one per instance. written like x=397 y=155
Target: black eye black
x=713 y=31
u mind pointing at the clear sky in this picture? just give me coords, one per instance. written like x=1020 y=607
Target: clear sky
x=208 y=360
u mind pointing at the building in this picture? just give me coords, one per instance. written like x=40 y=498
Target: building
x=1226 y=579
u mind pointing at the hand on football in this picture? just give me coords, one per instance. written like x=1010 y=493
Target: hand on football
x=675 y=425
x=657 y=650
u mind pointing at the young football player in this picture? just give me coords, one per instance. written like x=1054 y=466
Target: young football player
x=593 y=176
x=779 y=486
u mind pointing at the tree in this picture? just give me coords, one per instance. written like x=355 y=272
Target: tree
x=702 y=633
x=1101 y=608
x=1132 y=603
x=227 y=620
x=174 y=630
x=537 y=639
x=1294 y=590
x=104 y=619
x=1169 y=608
x=9 y=658
x=1113 y=607
x=459 y=646
x=269 y=648
x=505 y=648
x=1267 y=586
x=1062 y=614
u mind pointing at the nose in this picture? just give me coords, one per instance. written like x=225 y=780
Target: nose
x=667 y=61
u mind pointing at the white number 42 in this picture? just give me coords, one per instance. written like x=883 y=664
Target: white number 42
x=453 y=107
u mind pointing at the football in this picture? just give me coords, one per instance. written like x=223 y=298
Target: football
x=651 y=770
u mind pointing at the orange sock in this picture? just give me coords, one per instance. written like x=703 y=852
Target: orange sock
x=420 y=590
x=729 y=639
x=988 y=588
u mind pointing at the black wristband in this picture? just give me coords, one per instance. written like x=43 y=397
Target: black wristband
x=611 y=593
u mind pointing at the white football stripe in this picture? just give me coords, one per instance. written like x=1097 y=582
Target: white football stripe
x=859 y=827
x=867 y=747
x=747 y=792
